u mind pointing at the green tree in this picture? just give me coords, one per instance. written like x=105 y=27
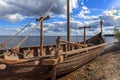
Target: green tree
x=117 y=34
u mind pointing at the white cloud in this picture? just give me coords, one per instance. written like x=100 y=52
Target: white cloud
x=31 y=8
x=113 y=13
x=84 y=8
x=15 y=17
x=8 y=31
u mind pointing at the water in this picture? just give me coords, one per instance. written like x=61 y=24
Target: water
x=35 y=40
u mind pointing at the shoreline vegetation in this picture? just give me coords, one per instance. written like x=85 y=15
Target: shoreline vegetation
x=104 y=67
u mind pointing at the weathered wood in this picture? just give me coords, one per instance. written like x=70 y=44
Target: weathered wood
x=53 y=75
x=49 y=62
x=42 y=65
x=57 y=46
x=81 y=50
x=73 y=43
x=101 y=24
x=41 y=38
x=68 y=24
x=85 y=33
x=25 y=60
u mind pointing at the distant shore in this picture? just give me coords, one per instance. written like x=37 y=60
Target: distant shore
x=108 y=35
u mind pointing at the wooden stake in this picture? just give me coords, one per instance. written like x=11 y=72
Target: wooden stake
x=53 y=75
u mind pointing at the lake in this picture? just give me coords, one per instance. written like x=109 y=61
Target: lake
x=35 y=40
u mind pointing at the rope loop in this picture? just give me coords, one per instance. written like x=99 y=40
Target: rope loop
x=3 y=45
x=15 y=49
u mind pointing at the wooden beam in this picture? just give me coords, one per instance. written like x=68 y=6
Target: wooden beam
x=53 y=75
x=82 y=50
x=85 y=32
x=73 y=43
x=68 y=24
x=101 y=26
x=49 y=61
x=41 y=38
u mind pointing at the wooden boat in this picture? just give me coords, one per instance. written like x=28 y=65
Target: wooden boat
x=51 y=60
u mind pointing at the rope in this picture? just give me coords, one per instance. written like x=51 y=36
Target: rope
x=27 y=35
x=19 y=32
x=37 y=24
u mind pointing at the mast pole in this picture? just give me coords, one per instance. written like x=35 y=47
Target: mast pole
x=84 y=35
x=101 y=24
x=68 y=24
x=41 y=38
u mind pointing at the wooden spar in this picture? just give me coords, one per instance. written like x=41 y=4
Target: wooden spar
x=41 y=38
x=42 y=32
x=85 y=33
x=53 y=75
x=68 y=24
x=73 y=43
x=81 y=50
x=101 y=24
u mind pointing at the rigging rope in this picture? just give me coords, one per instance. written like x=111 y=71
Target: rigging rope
x=37 y=24
x=19 y=32
x=28 y=35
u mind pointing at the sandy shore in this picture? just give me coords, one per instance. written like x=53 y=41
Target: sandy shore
x=105 y=67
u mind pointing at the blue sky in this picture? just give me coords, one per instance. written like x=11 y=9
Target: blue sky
x=15 y=14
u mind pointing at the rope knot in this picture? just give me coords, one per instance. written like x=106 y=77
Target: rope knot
x=3 y=45
x=15 y=49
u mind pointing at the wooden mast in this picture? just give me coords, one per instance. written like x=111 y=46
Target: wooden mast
x=41 y=38
x=41 y=20
x=101 y=24
x=68 y=24
x=85 y=32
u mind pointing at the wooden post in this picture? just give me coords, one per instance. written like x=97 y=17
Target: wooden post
x=68 y=24
x=53 y=75
x=84 y=35
x=101 y=24
x=41 y=38
x=41 y=20
x=85 y=32
x=57 y=46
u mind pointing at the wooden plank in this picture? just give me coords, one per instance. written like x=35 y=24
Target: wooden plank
x=83 y=49
x=49 y=62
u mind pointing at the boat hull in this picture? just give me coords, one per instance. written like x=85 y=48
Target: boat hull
x=42 y=66
x=31 y=67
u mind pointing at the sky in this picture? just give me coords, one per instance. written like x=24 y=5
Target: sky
x=15 y=14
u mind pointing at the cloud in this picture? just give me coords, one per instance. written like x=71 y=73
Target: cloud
x=111 y=17
x=14 y=17
x=85 y=14
x=8 y=31
x=32 y=8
